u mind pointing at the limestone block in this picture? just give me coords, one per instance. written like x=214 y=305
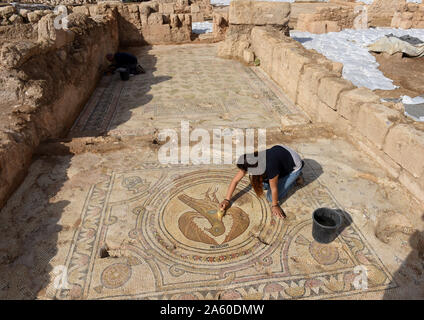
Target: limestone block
x=24 y=12
x=292 y=63
x=220 y=24
x=405 y=24
x=263 y=45
x=317 y=27
x=418 y=25
x=407 y=16
x=175 y=21
x=326 y=114
x=195 y=8
x=145 y=9
x=185 y=19
x=157 y=33
x=350 y=102
x=307 y=98
x=14 y=18
x=182 y=3
x=374 y=121
x=303 y=21
x=312 y=108
x=133 y=8
x=93 y=10
x=7 y=11
x=49 y=35
x=81 y=9
x=155 y=18
x=379 y=156
x=337 y=67
x=405 y=145
x=396 y=20
x=330 y=88
x=259 y=12
x=198 y=17
x=257 y=34
x=248 y=56
x=33 y=17
x=167 y=8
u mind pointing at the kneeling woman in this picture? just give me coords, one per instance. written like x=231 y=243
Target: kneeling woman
x=283 y=167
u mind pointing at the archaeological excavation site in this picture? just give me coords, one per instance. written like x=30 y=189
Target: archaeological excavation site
x=126 y=129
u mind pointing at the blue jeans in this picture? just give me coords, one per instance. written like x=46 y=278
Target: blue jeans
x=284 y=185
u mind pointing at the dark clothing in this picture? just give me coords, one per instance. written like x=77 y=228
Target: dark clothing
x=279 y=161
x=127 y=61
x=124 y=59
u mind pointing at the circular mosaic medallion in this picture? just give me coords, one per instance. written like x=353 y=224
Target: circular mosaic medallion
x=325 y=254
x=116 y=275
x=183 y=225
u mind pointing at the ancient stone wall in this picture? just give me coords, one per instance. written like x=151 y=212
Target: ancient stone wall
x=146 y=23
x=410 y=15
x=153 y=22
x=201 y=10
x=47 y=74
x=243 y=16
x=220 y=24
x=348 y=15
x=327 y=20
x=10 y=15
x=45 y=79
x=381 y=12
x=316 y=84
x=55 y=2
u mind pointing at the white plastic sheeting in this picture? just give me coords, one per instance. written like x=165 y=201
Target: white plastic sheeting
x=350 y=48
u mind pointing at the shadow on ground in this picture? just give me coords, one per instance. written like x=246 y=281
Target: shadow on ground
x=312 y=170
x=99 y=116
x=29 y=222
x=410 y=276
x=29 y=235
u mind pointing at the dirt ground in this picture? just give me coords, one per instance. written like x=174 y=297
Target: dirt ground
x=407 y=73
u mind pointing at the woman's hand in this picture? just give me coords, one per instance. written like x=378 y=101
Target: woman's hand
x=224 y=205
x=277 y=211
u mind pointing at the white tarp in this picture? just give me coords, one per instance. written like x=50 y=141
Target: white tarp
x=392 y=45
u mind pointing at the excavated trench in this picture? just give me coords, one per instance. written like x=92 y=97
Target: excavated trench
x=98 y=205
x=89 y=201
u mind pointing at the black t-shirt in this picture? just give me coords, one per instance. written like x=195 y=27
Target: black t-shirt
x=124 y=59
x=278 y=161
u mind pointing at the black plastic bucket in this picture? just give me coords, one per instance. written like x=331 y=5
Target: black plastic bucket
x=326 y=224
x=125 y=75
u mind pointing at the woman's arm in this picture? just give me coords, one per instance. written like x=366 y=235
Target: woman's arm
x=240 y=174
x=273 y=183
x=275 y=206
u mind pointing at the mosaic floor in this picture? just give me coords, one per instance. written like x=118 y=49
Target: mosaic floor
x=182 y=83
x=117 y=224
x=173 y=246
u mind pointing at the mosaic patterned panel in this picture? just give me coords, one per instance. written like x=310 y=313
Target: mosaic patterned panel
x=161 y=231
x=188 y=83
